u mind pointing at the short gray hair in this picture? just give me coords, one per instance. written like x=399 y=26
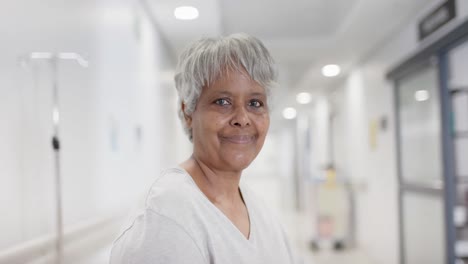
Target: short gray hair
x=204 y=60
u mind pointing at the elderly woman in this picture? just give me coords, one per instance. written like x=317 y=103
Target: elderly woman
x=199 y=212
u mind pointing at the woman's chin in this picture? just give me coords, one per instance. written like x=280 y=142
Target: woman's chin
x=238 y=162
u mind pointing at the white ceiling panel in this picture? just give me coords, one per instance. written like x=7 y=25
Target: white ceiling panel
x=273 y=19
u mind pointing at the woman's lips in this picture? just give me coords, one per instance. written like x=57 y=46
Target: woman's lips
x=239 y=139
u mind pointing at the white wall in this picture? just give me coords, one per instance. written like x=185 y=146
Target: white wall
x=321 y=136
x=111 y=112
x=365 y=97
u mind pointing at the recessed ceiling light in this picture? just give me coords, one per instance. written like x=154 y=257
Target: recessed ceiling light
x=331 y=70
x=303 y=98
x=186 y=12
x=421 y=95
x=289 y=113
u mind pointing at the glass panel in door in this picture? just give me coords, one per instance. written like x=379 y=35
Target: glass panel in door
x=420 y=133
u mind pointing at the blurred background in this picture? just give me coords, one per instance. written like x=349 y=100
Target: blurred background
x=366 y=160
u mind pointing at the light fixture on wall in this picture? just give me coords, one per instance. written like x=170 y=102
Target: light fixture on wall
x=186 y=13
x=331 y=70
x=304 y=98
x=289 y=113
x=421 y=95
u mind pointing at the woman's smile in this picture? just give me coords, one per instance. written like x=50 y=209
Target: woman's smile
x=239 y=139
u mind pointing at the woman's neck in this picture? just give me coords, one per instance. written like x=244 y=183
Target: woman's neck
x=219 y=186
x=222 y=189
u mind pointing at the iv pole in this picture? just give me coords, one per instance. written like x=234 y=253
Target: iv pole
x=53 y=59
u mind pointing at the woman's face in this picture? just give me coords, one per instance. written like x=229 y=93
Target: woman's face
x=230 y=122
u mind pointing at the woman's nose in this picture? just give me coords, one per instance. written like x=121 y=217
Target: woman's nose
x=240 y=117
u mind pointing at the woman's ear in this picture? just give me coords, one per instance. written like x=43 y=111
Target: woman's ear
x=188 y=119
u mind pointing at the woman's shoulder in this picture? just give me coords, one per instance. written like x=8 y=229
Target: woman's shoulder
x=173 y=194
x=162 y=230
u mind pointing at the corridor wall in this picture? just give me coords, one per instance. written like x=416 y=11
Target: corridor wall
x=367 y=100
x=110 y=113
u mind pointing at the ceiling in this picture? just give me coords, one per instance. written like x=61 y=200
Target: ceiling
x=302 y=35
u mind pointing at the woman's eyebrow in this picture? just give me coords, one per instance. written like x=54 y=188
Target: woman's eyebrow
x=221 y=93
x=225 y=92
x=258 y=94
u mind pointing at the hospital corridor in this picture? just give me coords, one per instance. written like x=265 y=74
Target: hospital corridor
x=365 y=158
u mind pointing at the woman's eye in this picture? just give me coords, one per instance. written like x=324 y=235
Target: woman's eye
x=221 y=102
x=256 y=103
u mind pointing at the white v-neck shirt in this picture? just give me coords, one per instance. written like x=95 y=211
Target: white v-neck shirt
x=179 y=225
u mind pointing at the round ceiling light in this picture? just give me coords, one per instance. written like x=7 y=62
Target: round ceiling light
x=186 y=13
x=331 y=70
x=289 y=113
x=303 y=98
